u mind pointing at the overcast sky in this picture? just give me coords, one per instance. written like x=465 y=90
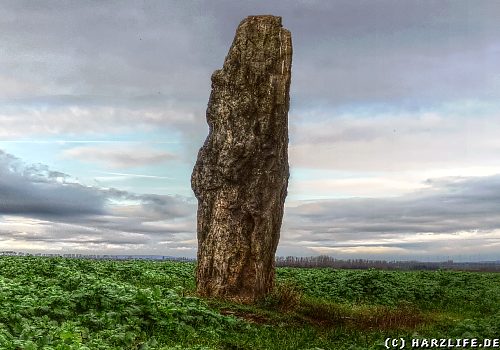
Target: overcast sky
x=394 y=124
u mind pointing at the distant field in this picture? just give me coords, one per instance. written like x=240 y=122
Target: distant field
x=57 y=303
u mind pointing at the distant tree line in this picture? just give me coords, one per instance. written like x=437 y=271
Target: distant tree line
x=305 y=262
x=99 y=256
x=329 y=261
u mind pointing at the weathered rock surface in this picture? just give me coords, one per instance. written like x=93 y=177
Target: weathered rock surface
x=241 y=175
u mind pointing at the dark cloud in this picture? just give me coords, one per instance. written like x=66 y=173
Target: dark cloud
x=427 y=218
x=35 y=190
x=54 y=210
x=448 y=205
x=38 y=191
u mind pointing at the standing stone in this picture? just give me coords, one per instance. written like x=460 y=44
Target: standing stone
x=241 y=175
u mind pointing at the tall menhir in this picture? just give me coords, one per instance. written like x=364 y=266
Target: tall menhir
x=241 y=175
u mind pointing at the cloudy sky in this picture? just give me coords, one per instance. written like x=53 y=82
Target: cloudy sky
x=394 y=124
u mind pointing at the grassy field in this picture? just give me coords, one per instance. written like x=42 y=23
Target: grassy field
x=55 y=303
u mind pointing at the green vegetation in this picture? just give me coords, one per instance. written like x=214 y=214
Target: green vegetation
x=55 y=303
